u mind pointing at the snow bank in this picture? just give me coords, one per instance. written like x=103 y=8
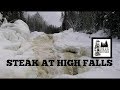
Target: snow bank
x=99 y=33
x=41 y=35
x=19 y=26
x=69 y=41
x=72 y=45
x=17 y=29
x=16 y=51
x=76 y=45
x=15 y=71
x=15 y=44
x=12 y=46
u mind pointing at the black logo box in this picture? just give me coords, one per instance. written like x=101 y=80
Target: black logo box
x=101 y=38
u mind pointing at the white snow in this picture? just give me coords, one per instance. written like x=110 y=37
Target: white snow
x=16 y=42
x=18 y=29
x=70 y=41
x=99 y=33
x=36 y=34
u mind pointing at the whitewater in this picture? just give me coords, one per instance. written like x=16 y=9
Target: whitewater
x=17 y=42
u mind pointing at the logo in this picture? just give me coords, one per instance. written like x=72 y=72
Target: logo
x=101 y=48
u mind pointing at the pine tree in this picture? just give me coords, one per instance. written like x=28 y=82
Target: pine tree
x=64 y=22
x=112 y=23
x=36 y=22
x=13 y=15
x=78 y=20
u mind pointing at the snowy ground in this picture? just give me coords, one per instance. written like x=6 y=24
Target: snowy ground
x=16 y=42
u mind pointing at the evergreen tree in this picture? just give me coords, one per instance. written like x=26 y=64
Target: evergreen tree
x=78 y=20
x=36 y=22
x=13 y=15
x=64 y=22
x=112 y=24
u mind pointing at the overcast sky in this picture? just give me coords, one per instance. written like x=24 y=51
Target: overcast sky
x=50 y=17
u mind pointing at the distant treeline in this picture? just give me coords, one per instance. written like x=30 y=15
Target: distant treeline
x=37 y=23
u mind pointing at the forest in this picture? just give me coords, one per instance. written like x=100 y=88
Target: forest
x=85 y=21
